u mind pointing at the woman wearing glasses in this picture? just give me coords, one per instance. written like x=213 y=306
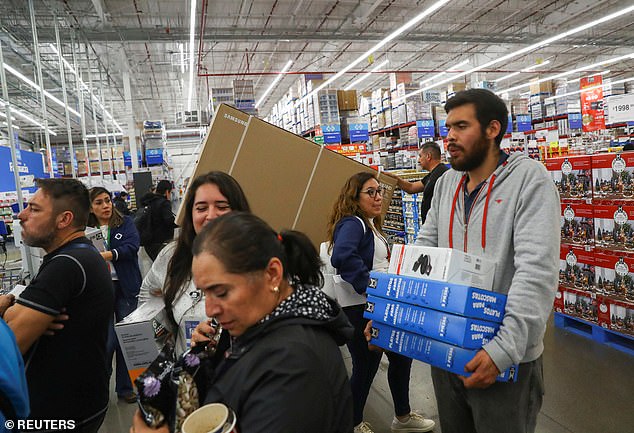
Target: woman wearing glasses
x=208 y=197
x=359 y=246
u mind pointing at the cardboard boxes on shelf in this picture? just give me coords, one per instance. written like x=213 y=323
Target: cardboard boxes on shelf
x=613 y=228
x=577 y=224
x=613 y=175
x=615 y=276
x=572 y=176
x=576 y=268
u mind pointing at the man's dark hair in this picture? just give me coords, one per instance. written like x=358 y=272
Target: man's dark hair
x=488 y=107
x=68 y=195
x=433 y=148
x=123 y=194
x=162 y=186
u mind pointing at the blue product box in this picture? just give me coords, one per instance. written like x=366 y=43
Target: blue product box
x=439 y=295
x=430 y=351
x=458 y=330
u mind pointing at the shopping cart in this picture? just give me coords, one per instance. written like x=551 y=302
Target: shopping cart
x=9 y=277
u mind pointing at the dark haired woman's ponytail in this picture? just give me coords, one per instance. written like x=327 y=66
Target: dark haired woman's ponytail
x=303 y=263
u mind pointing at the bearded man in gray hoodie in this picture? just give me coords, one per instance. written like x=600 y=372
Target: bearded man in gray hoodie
x=504 y=208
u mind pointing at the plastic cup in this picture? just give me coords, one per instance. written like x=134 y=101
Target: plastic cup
x=210 y=418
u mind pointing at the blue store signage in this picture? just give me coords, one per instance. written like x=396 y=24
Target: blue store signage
x=574 y=121
x=509 y=125
x=127 y=160
x=332 y=133
x=32 y=164
x=425 y=128
x=442 y=129
x=154 y=156
x=358 y=132
x=523 y=122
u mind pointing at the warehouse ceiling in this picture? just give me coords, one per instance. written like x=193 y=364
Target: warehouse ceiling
x=149 y=42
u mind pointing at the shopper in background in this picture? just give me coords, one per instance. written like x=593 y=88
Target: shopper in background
x=209 y=196
x=161 y=217
x=512 y=209
x=67 y=373
x=121 y=204
x=359 y=246
x=628 y=147
x=122 y=246
x=429 y=159
x=284 y=371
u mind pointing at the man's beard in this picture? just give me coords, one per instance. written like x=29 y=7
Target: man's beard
x=42 y=241
x=472 y=158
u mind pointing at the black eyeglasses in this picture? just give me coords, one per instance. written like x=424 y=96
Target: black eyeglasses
x=372 y=192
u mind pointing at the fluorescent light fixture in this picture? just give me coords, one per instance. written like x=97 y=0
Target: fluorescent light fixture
x=182 y=131
x=530 y=48
x=192 y=29
x=567 y=73
x=274 y=83
x=506 y=77
x=408 y=25
x=36 y=87
x=26 y=117
x=598 y=86
x=119 y=134
x=366 y=75
x=451 y=69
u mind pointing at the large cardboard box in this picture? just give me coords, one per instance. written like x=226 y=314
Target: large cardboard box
x=437 y=353
x=439 y=325
x=290 y=182
x=613 y=228
x=614 y=276
x=576 y=268
x=442 y=264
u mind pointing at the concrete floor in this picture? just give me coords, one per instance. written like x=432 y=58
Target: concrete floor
x=589 y=389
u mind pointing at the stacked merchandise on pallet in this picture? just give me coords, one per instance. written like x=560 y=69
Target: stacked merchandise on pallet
x=435 y=305
x=596 y=278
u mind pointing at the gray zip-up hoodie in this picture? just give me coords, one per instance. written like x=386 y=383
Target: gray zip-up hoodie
x=515 y=221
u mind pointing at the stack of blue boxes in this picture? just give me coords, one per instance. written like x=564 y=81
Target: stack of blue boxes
x=436 y=322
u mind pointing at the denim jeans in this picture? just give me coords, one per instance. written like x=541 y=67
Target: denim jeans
x=365 y=364
x=122 y=307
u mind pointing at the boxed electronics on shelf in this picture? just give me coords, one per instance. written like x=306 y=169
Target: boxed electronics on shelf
x=450 y=328
x=442 y=264
x=437 y=353
x=440 y=295
x=572 y=176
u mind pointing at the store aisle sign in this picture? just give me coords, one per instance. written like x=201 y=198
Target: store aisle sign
x=425 y=128
x=358 y=132
x=127 y=159
x=332 y=133
x=592 y=114
x=154 y=156
x=523 y=122
x=575 y=121
x=30 y=168
x=442 y=128
x=621 y=108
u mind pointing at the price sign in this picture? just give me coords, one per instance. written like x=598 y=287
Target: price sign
x=621 y=108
